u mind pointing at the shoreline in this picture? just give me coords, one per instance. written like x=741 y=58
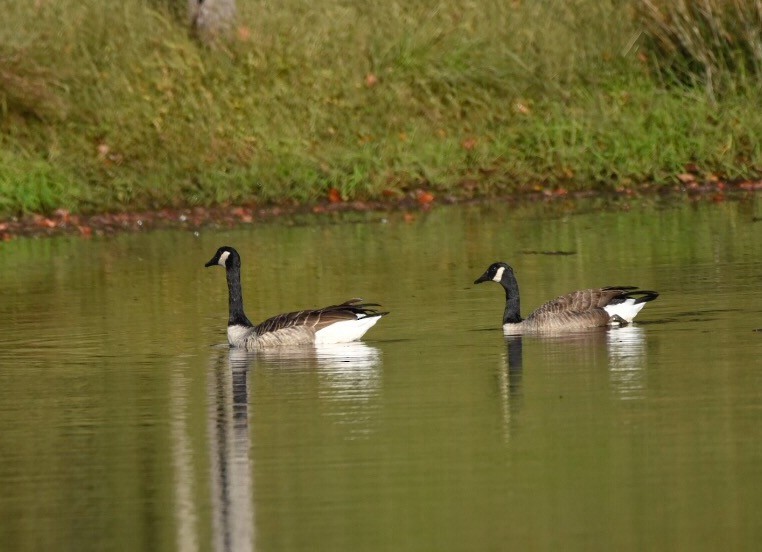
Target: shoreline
x=64 y=223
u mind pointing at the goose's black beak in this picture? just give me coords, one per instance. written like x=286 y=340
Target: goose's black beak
x=211 y=263
x=483 y=278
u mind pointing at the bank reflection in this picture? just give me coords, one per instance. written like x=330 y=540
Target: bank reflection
x=186 y=514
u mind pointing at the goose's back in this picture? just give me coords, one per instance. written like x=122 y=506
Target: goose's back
x=318 y=319
x=300 y=327
x=583 y=300
x=573 y=311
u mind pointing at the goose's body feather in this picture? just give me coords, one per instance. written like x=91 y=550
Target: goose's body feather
x=341 y=323
x=586 y=308
x=319 y=319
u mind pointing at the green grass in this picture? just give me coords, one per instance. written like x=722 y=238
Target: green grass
x=108 y=107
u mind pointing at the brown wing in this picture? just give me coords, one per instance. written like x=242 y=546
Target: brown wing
x=582 y=308
x=319 y=318
x=583 y=300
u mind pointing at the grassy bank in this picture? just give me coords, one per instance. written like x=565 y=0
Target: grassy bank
x=114 y=106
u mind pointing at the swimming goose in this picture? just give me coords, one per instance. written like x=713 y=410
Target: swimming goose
x=586 y=308
x=334 y=324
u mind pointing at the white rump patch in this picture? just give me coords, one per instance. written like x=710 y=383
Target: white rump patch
x=223 y=258
x=346 y=330
x=499 y=274
x=626 y=310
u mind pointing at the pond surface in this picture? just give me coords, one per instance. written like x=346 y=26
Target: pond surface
x=126 y=423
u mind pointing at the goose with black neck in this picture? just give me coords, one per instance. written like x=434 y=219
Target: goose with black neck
x=578 y=310
x=341 y=323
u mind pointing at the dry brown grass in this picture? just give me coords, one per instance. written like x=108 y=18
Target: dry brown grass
x=717 y=43
x=28 y=89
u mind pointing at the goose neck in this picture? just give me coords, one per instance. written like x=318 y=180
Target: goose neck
x=512 y=314
x=235 y=295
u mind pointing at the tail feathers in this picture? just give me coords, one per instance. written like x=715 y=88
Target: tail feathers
x=647 y=295
x=360 y=309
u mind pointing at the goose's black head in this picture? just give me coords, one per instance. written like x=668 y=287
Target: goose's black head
x=225 y=256
x=496 y=272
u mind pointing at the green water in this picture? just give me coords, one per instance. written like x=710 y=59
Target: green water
x=126 y=424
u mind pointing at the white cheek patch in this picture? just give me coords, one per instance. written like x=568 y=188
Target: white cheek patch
x=499 y=274
x=223 y=258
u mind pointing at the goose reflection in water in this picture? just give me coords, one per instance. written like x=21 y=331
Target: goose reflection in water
x=627 y=361
x=232 y=506
x=510 y=382
x=230 y=462
x=625 y=350
x=349 y=375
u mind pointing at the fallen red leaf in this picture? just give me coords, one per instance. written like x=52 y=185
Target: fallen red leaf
x=371 y=80
x=334 y=196
x=424 y=198
x=242 y=213
x=751 y=185
x=523 y=108
x=468 y=144
x=243 y=33
x=63 y=214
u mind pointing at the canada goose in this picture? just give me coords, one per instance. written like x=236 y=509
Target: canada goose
x=334 y=324
x=586 y=308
